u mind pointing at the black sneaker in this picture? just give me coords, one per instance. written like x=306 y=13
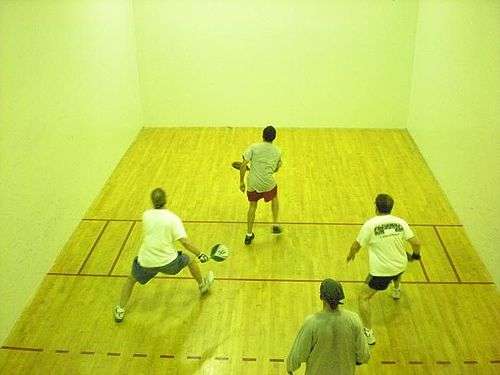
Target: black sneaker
x=276 y=229
x=249 y=239
x=237 y=165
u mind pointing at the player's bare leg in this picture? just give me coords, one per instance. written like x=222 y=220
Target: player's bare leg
x=194 y=269
x=396 y=292
x=119 y=310
x=364 y=297
x=252 y=207
x=275 y=208
x=127 y=290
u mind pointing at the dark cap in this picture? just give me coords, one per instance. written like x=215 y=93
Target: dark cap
x=331 y=291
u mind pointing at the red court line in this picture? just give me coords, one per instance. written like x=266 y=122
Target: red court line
x=93 y=246
x=21 y=349
x=245 y=359
x=121 y=248
x=447 y=255
x=269 y=223
x=272 y=280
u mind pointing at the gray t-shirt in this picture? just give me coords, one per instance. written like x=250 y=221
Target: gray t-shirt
x=264 y=159
x=330 y=342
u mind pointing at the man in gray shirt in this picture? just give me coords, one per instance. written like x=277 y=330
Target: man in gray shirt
x=332 y=340
x=264 y=159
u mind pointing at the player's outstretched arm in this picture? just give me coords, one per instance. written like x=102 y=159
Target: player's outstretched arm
x=188 y=245
x=243 y=170
x=415 y=246
x=278 y=166
x=355 y=247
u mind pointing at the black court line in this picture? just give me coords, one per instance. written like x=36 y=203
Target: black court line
x=142 y=355
x=93 y=246
x=87 y=352
x=222 y=358
x=388 y=362
x=246 y=359
x=270 y=223
x=243 y=279
x=198 y=357
x=121 y=248
x=114 y=354
x=447 y=255
x=169 y=356
x=424 y=270
x=61 y=351
x=276 y=360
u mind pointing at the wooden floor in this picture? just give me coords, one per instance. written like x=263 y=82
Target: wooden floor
x=447 y=321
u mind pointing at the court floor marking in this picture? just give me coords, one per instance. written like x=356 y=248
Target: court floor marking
x=225 y=358
x=252 y=279
x=270 y=223
x=447 y=254
x=93 y=246
x=124 y=242
x=434 y=226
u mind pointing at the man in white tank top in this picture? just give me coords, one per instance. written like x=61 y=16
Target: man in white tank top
x=385 y=236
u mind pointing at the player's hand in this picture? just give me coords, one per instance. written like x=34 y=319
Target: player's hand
x=242 y=187
x=203 y=257
x=412 y=257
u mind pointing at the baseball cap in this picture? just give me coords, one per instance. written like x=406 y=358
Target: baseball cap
x=331 y=291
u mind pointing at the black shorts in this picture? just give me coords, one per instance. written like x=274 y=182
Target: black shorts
x=144 y=274
x=381 y=282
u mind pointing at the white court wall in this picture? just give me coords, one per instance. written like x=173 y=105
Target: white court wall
x=454 y=112
x=69 y=109
x=332 y=63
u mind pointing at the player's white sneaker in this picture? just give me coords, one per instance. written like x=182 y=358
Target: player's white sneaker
x=119 y=313
x=396 y=294
x=208 y=280
x=370 y=337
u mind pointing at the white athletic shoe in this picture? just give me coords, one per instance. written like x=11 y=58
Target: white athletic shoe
x=208 y=280
x=370 y=337
x=119 y=313
x=396 y=293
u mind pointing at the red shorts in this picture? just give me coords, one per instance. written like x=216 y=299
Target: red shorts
x=254 y=196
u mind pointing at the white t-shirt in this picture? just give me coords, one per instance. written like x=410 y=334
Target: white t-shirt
x=161 y=228
x=385 y=236
x=264 y=158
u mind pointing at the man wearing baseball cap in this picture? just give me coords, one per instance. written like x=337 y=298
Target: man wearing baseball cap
x=330 y=341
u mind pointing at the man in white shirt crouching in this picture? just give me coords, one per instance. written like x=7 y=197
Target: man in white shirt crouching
x=161 y=229
x=385 y=236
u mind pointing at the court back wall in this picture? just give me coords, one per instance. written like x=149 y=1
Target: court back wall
x=455 y=112
x=69 y=109
x=293 y=63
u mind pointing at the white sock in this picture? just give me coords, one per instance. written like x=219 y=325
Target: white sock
x=249 y=234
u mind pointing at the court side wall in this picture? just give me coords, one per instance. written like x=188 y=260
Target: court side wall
x=291 y=62
x=454 y=113
x=69 y=109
